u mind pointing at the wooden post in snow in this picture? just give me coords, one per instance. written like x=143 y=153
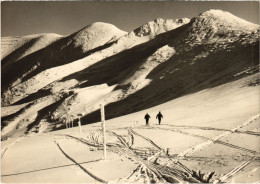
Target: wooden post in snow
x=79 y=126
x=102 y=109
x=79 y=123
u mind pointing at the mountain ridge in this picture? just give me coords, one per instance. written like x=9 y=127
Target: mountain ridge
x=157 y=62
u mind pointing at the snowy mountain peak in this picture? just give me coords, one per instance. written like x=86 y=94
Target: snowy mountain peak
x=95 y=35
x=99 y=26
x=159 y=26
x=223 y=18
x=159 y=20
x=214 y=25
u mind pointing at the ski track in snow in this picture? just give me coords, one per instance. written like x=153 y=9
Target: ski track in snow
x=4 y=149
x=78 y=164
x=216 y=141
x=3 y=152
x=202 y=145
x=209 y=140
x=207 y=143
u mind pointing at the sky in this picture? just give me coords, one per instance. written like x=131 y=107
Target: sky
x=64 y=18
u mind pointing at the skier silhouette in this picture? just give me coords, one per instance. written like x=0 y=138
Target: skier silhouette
x=159 y=117
x=147 y=117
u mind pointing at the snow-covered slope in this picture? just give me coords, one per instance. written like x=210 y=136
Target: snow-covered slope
x=138 y=79
x=195 y=65
x=189 y=122
x=128 y=72
x=63 y=51
x=15 y=48
x=31 y=43
x=20 y=86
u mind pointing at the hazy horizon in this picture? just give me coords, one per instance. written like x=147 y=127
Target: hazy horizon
x=64 y=18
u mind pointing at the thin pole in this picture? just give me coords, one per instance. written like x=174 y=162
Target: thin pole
x=102 y=109
x=79 y=126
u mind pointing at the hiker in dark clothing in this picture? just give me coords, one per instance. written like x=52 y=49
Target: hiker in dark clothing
x=147 y=117
x=159 y=117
